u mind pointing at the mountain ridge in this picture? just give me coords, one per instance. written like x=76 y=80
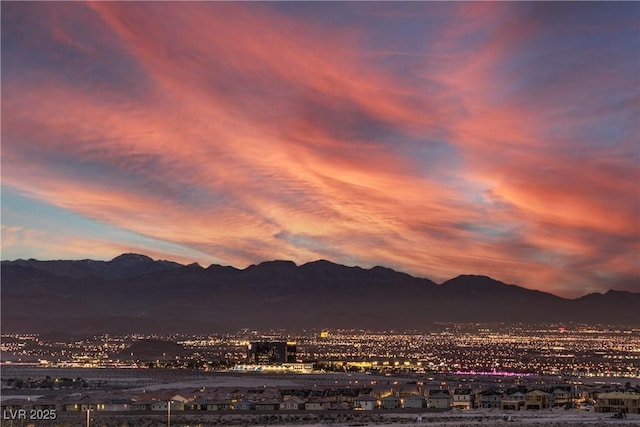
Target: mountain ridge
x=128 y=258
x=133 y=293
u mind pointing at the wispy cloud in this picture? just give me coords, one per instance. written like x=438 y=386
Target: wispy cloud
x=498 y=139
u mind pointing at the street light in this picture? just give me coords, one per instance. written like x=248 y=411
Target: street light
x=169 y=413
x=88 y=418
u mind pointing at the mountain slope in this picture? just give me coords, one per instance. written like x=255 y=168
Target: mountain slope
x=133 y=293
x=125 y=265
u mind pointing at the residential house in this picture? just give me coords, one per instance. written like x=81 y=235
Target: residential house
x=177 y=405
x=317 y=404
x=592 y=393
x=561 y=397
x=538 y=399
x=57 y=403
x=342 y=406
x=142 y=405
x=160 y=405
x=245 y=405
x=513 y=402
x=198 y=403
x=292 y=403
x=414 y=401
x=338 y=395
x=409 y=389
x=489 y=398
x=219 y=405
x=439 y=399
x=463 y=398
x=80 y=404
x=365 y=403
x=115 y=405
x=270 y=394
x=381 y=390
x=333 y=395
x=627 y=402
x=390 y=401
x=267 y=405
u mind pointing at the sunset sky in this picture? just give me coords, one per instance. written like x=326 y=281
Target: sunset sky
x=433 y=138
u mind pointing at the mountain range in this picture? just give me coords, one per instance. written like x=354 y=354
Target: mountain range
x=134 y=293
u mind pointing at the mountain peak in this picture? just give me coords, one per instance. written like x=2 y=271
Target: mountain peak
x=616 y=292
x=473 y=280
x=279 y=262
x=611 y=293
x=130 y=258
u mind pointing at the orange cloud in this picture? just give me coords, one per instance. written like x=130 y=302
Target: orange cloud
x=252 y=135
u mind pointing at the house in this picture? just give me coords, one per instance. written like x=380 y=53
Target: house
x=199 y=403
x=353 y=393
x=160 y=405
x=338 y=395
x=514 y=401
x=267 y=405
x=414 y=401
x=439 y=399
x=141 y=405
x=381 y=390
x=390 y=401
x=538 y=399
x=81 y=404
x=489 y=398
x=365 y=403
x=317 y=404
x=463 y=398
x=270 y=394
x=292 y=403
x=245 y=405
x=115 y=405
x=342 y=406
x=177 y=405
x=219 y=405
x=627 y=402
x=409 y=389
x=561 y=397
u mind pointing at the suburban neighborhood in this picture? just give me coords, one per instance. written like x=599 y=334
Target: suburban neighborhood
x=379 y=397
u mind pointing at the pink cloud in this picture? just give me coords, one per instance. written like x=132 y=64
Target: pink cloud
x=254 y=138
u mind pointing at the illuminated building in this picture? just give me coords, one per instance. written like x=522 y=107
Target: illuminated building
x=271 y=353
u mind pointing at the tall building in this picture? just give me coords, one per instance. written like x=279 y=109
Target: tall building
x=271 y=353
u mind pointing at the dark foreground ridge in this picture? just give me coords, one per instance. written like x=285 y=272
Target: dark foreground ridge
x=133 y=293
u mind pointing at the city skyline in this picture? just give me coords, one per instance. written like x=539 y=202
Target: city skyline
x=436 y=139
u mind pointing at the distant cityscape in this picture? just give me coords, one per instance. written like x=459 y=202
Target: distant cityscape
x=578 y=350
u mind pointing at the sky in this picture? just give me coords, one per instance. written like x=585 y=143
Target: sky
x=435 y=138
